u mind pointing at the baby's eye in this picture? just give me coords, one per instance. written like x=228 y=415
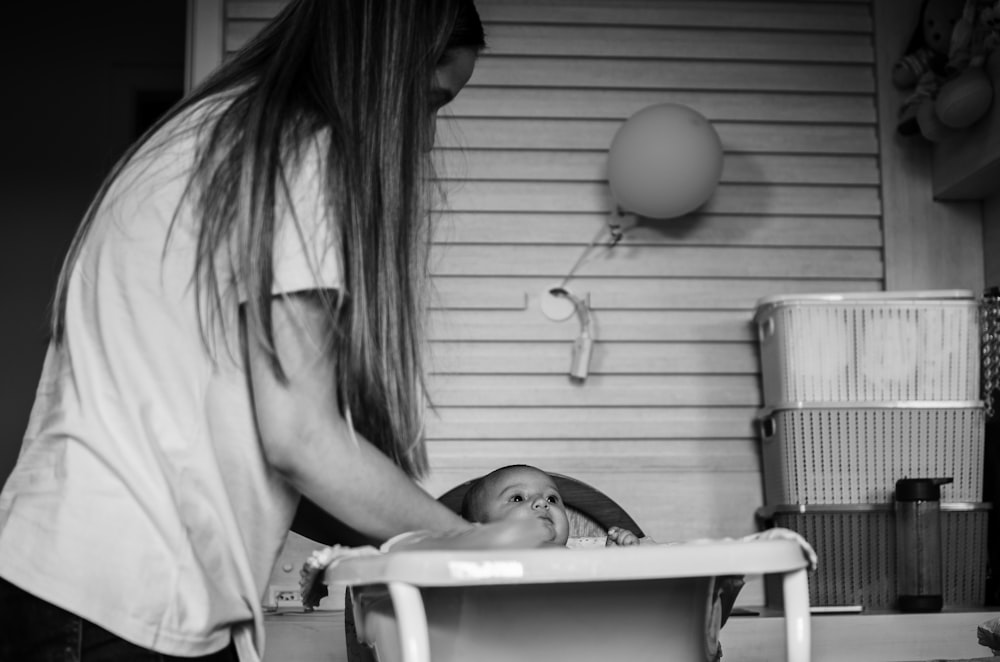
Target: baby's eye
x=553 y=499
x=517 y=498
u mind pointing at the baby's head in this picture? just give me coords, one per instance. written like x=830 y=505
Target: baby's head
x=517 y=491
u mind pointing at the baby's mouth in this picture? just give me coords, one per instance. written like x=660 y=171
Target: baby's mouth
x=549 y=524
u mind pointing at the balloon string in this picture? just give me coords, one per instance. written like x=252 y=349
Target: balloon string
x=615 y=227
x=579 y=260
x=616 y=232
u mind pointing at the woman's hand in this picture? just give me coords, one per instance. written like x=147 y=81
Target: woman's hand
x=505 y=534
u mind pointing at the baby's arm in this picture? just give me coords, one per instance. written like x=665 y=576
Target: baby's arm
x=619 y=537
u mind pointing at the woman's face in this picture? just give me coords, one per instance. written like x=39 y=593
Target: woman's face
x=451 y=74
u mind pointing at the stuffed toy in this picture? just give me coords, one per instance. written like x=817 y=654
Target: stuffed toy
x=930 y=44
x=967 y=93
x=967 y=47
x=923 y=65
x=990 y=18
x=952 y=90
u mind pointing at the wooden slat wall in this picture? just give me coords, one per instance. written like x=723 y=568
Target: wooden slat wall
x=664 y=424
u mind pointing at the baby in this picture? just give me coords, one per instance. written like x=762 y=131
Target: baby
x=524 y=491
x=520 y=492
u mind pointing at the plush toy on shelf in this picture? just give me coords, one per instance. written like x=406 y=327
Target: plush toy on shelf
x=991 y=19
x=967 y=47
x=945 y=65
x=922 y=66
x=967 y=94
x=929 y=47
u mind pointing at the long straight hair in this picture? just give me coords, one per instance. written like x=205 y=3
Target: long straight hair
x=358 y=72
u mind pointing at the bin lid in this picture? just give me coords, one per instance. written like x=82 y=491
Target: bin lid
x=864 y=405
x=768 y=303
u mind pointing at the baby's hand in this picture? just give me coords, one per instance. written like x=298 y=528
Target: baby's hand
x=619 y=537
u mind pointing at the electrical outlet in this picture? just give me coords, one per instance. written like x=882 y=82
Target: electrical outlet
x=284 y=597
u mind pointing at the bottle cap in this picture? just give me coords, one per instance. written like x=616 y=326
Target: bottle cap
x=920 y=489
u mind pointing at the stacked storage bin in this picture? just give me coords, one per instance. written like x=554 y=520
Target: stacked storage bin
x=861 y=390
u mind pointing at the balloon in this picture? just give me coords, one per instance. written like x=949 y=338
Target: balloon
x=664 y=161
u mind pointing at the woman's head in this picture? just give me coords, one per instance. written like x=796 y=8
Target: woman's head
x=363 y=69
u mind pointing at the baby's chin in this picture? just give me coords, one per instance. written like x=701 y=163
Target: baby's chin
x=551 y=528
x=556 y=538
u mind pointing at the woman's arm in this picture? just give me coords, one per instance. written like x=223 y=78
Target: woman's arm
x=307 y=440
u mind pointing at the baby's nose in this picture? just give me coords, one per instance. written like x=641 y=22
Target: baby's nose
x=540 y=502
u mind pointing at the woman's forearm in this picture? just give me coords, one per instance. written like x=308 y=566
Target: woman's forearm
x=362 y=488
x=308 y=441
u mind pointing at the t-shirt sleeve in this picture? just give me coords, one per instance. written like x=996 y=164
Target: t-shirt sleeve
x=306 y=254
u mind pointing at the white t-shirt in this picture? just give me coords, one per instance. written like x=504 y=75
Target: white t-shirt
x=141 y=500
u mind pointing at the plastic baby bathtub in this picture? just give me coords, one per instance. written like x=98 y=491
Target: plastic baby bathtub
x=650 y=602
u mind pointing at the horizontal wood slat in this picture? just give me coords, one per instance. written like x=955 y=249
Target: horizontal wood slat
x=517 y=391
x=518 y=293
x=471 y=423
x=825 y=16
x=664 y=261
x=613 y=456
x=675 y=43
x=532 y=358
x=619 y=104
x=672 y=74
x=698 y=228
x=646 y=42
x=558 y=134
x=554 y=165
x=594 y=197
x=615 y=325
x=818 y=17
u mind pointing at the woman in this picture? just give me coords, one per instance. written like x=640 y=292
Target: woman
x=237 y=324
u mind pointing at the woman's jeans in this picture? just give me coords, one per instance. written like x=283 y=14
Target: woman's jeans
x=32 y=630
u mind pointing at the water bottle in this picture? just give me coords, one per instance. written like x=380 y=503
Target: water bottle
x=918 y=544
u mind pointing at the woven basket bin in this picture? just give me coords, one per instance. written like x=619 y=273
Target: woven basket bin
x=830 y=454
x=856 y=546
x=869 y=347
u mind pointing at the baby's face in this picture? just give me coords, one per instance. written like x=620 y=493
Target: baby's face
x=525 y=492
